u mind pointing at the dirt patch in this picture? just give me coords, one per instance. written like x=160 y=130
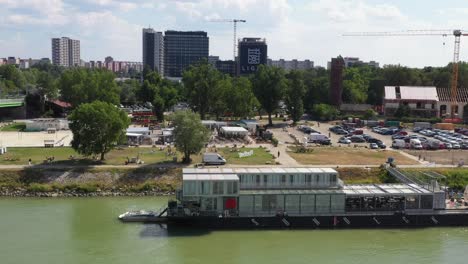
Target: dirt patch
x=452 y=157
x=349 y=156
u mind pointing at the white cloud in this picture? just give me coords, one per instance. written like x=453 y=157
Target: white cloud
x=355 y=11
x=50 y=12
x=120 y=5
x=110 y=31
x=269 y=12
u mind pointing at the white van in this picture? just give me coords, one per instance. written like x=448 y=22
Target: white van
x=398 y=144
x=415 y=144
x=213 y=159
x=319 y=138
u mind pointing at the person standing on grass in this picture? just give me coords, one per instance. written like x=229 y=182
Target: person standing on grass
x=29 y=162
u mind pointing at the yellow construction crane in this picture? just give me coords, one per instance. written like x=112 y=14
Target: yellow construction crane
x=457 y=33
x=234 y=21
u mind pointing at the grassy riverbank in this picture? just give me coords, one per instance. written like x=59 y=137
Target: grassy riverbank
x=95 y=180
x=68 y=156
x=126 y=181
x=455 y=178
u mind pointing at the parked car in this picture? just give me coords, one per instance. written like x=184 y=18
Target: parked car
x=381 y=145
x=334 y=128
x=357 y=139
x=415 y=144
x=366 y=136
x=376 y=129
x=389 y=131
x=398 y=144
x=396 y=136
x=341 y=132
x=456 y=146
x=448 y=145
x=373 y=140
x=344 y=140
x=373 y=146
x=358 y=132
x=319 y=138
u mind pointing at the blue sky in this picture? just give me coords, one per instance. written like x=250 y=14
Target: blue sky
x=294 y=29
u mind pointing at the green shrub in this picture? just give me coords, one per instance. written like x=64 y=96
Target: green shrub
x=274 y=141
x=37 y=187
x=385 y=176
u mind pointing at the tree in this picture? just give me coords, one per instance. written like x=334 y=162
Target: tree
x=295 y=94
x=269 y=85
x=201 y=82
x=190 y=135
x=78 y=86
x=240 y=98
x=465 y=114
x=97 y=127
x=325 y=112
x=375 y=93
x=370 y=114
x=128 y=91
x=403 y=110
x=47 y=86
x=355 y=86
x=147 y=92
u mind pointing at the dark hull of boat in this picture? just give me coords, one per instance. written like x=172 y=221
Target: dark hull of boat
x=314 y=222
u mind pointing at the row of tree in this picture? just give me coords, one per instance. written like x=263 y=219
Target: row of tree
x=210 y=92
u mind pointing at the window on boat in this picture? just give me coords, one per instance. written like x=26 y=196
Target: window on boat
x=283 y=179
x=218 y=187
x=332 y=178
x=308 y=179
x=190 y=188
x=426 y=201
x=232 y=187
x=205 y=187
x=257 y=180
x=265 y=179
x=291 y=179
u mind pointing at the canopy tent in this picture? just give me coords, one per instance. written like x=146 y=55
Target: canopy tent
x=234 y=131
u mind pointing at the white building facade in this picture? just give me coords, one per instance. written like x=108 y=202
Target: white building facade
x=288 y=65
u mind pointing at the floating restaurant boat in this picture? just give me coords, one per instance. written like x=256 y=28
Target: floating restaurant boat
x=302 y=198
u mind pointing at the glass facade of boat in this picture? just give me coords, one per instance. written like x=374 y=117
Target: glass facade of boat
x=292 y=191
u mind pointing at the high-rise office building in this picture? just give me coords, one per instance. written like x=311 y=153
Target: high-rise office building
x=183 y=48
x=66 y=52
x=252 y=52
x=153 y=50
x=336 y=80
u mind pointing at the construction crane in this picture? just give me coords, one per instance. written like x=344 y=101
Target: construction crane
x=457 y=33
x=234 y=21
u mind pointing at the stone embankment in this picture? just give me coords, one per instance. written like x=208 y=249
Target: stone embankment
x=23 y=192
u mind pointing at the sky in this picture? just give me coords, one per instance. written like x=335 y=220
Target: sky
x=294 y=29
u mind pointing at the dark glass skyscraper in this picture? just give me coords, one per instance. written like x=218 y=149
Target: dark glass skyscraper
x=183 y=48
x=153 y=50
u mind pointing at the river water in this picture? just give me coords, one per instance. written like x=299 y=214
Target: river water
x=85 y=230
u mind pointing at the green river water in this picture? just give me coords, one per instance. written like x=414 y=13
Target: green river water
x=85 y=230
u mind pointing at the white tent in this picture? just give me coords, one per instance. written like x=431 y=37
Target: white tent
x=234 y=131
